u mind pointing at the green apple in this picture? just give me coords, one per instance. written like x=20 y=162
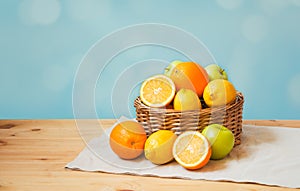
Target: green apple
x=214 y=71
x=221 y=140
x=170 y=67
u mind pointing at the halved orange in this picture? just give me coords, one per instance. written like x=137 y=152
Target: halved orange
x=191 y=150
x=157 y=91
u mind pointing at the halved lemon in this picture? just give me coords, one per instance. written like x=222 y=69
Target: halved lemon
x=192 y=150
x=157 y=91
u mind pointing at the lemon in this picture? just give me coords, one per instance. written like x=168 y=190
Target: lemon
x=158 y=146
x=219 y=92
x=186 y=99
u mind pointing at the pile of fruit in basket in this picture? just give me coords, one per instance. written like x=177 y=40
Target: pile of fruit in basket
x=184 y=86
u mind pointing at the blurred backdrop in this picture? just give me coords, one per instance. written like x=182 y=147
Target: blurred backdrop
x=42 y=43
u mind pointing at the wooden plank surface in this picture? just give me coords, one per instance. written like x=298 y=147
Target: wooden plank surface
x=33 y=154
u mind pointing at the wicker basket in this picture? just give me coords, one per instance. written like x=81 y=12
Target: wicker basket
x=153 y=119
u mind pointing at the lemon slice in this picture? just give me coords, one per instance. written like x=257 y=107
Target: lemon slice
x=157 y=91
x=192 y=150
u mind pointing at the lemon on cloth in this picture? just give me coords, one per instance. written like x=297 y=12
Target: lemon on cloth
x=219 y=92
x=186 y=99
x=192 y=150
x=158 y=146
x=157 y=91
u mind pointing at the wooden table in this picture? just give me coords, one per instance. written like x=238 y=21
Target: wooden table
x=33 y=154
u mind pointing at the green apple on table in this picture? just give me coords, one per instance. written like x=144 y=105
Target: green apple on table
x=221 y=140
x=214 y=71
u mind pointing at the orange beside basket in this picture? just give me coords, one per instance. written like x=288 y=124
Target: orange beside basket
x=154 y=119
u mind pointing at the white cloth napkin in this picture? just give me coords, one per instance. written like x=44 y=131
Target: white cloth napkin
x=267 y=155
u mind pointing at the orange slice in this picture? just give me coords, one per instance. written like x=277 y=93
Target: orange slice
x=192 y=150
x=157 y=91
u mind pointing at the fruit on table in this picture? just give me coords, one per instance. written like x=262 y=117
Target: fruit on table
x=158 y=146
x=192 y=150
x=219 y=92
x=186 y=99
x=188 y=75
x=127 y=139
x=214 y=72
x=221 y=140
x=157 y=91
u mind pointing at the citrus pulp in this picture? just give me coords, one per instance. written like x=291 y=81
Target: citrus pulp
x=157 y=91
x=192 y=150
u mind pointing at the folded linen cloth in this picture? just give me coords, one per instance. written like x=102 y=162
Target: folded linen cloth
x=267 y=155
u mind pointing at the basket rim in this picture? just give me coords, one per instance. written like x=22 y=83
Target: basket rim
x=238 y=101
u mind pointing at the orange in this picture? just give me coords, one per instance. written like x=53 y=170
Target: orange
x=189 y=75
x=157 y=91
x=192 y=150
x=127 y=139
x=219 y=92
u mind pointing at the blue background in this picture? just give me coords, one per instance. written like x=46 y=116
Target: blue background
x=42 y=43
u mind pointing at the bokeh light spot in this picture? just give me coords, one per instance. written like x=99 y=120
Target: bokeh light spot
x=88 y=11
x=255 y=28
x=37 y=12
x=229 y=4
